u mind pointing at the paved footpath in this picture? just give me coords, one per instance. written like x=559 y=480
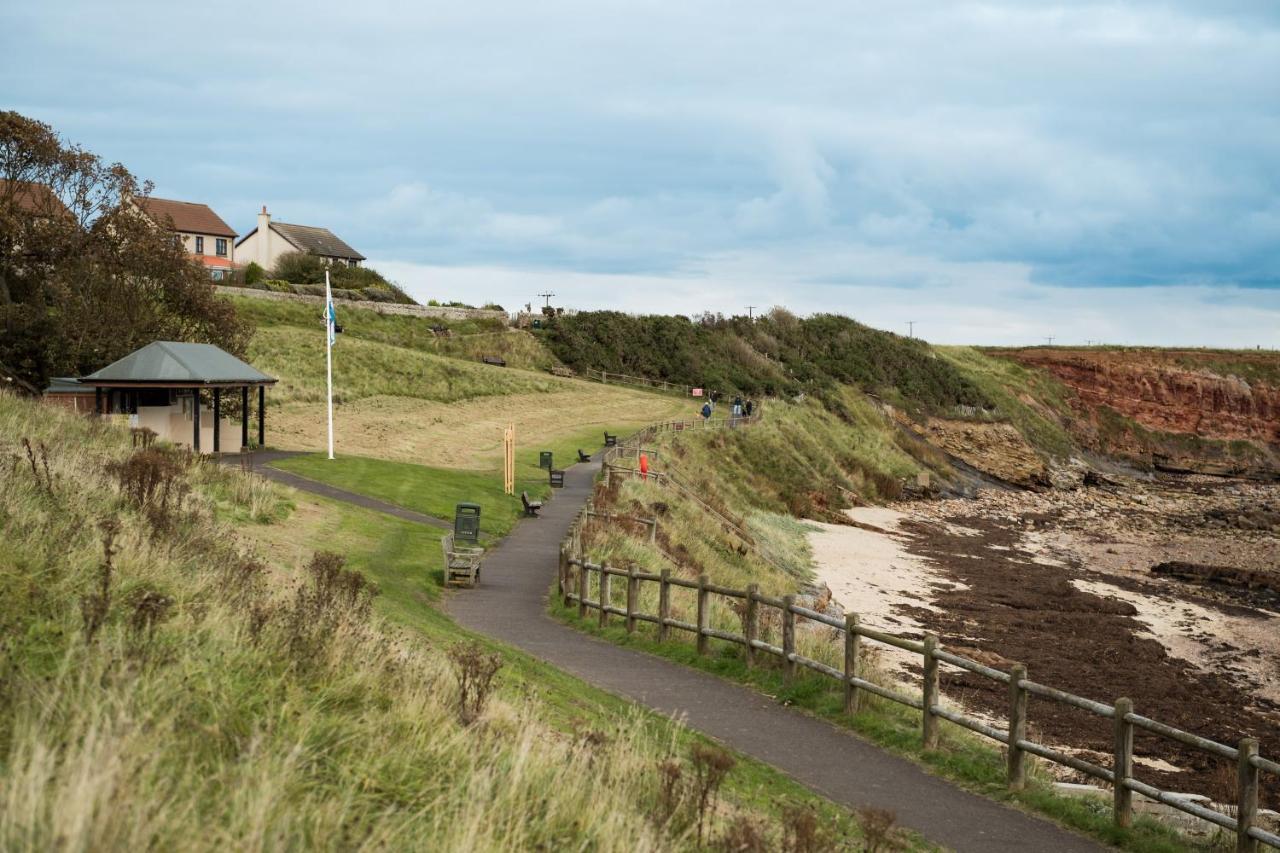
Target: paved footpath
x=510 y=605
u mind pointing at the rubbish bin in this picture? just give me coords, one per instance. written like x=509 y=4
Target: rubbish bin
x=466 y=523
x=544 y=460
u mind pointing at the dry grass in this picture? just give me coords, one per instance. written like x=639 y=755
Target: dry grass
x=464 y=434
x=260 y=708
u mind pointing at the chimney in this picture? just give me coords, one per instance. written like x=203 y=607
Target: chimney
x=264 y=239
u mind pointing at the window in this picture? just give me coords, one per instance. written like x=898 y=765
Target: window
x=353 y=262
x=199 y=245
x=220 y=247
x=218 y=275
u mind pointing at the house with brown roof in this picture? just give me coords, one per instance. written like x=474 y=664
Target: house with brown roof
x=33 y=199
x=266 y=243
x=202 y=232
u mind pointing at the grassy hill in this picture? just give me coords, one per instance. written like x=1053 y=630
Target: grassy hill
x=181 y=670
x=404 y=394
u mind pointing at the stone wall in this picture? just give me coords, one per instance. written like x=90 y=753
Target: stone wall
x=425 y=311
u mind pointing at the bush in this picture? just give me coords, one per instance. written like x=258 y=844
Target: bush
x=299 y=268
x=378 y=294
x=254 y=273
x=308 y=289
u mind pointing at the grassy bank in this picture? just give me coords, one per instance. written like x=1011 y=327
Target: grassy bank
x=180 y=671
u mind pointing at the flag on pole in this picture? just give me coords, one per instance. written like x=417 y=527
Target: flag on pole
x=330 y=325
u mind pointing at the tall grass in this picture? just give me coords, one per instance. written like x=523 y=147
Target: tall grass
x=257 y=711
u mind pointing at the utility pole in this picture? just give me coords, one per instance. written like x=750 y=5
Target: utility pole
x=547 y=296
x=1050 y=340
x=911 y=328
x=750 y=310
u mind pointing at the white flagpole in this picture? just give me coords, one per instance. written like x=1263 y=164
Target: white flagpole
x=328 y=353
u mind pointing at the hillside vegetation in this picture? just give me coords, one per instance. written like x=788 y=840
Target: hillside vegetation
x=165 y=688
x=776 y=354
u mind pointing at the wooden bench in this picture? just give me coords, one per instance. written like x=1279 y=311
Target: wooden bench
x=461 y=563
x=557 y=479
x=610 y=440
x=583 y=457
x=496 y=360
x=530 y=507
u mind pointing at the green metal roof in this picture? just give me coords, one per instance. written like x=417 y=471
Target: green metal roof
x=65 y=385
x=170 y=362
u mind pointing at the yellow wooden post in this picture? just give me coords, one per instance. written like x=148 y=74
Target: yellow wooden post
x=509 y=459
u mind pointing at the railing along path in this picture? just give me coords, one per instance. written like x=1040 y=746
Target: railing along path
x=575 y=588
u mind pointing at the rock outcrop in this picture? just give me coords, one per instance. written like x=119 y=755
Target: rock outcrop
x=1194 y=414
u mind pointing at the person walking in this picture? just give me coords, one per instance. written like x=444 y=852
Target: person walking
x=751 y=404
x=706 y=411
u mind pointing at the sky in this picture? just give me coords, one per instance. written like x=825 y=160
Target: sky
x=1001 y=172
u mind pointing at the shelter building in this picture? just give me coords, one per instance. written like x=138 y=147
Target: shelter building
x=178 y=390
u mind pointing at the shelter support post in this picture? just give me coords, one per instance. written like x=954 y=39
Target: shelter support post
x=262 y=415
x=195 y=420
x=244 y=418
x=217 y=420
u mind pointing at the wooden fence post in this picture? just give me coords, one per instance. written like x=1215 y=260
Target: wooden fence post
x=750 y=623
x=604 y=596
x=1247 y=787
x=564 y=574
x=1122 y=797
x=788 y=637
x=703 y=596
x=664 y=606
x=1017 y=763
x=653 y=531
x=929 y=723
x=633 y=586
x=582 y=587
x=852 y=645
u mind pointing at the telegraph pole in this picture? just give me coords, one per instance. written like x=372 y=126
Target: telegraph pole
x=547 y=296
x=1049 y=339
x=750 y=309
x=911 y=328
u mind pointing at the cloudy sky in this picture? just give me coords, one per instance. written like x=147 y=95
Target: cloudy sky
x=998 y=172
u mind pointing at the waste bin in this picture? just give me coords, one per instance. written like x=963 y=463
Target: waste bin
x=544 y=460
x=466 y=523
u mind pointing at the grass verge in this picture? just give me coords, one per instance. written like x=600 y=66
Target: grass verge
x=961 y=758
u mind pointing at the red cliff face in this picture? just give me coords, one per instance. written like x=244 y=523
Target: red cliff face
x=1191 y=394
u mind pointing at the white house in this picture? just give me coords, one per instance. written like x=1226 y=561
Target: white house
x=266 y=243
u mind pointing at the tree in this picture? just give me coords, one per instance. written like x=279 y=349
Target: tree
x=85 y=276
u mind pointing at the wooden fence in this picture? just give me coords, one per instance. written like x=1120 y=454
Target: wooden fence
x=576 y=588
x=636 y=381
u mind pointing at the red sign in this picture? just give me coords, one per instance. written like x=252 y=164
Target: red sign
x=697 y=392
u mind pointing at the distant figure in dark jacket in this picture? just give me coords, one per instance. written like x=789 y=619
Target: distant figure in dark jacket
x=706 y=411
x=751 y=405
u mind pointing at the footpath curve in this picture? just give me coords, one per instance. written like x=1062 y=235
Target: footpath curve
x=510 y=605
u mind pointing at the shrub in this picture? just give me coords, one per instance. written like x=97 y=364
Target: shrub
x=254 y=273
x=744 y=835
x=276 y=285
x=474 y=669
x=711 y=766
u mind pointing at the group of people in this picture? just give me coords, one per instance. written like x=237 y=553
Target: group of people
x=740 y=408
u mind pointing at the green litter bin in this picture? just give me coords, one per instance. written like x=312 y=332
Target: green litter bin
x=466 y=523
x=544 y=460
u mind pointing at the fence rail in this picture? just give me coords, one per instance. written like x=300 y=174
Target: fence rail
x=575 y=588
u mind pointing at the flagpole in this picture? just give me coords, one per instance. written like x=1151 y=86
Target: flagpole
x=328 y=353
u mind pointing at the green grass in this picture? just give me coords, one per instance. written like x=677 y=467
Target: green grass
x=470 y=339
x=435 y=491
x=363 y=368
x=252 y=715
x=390 y=551
x=962 y=758
x=1032 y=400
